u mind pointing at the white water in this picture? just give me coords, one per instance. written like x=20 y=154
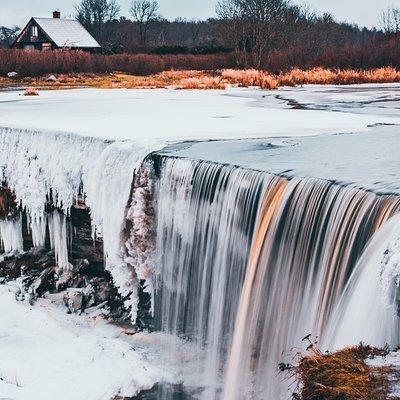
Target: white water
x=206 y=216
x=369 y=309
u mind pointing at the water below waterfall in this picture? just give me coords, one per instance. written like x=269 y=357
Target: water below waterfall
x=250 y=263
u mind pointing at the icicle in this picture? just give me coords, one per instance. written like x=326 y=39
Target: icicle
x=38 y=228
x=58 y=239
x=11 y=235
x=33 y=163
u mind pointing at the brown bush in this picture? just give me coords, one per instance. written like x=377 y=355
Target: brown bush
x=343 y=375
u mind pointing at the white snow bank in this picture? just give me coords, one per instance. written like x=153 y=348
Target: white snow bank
x=138 y=115
x=47 y=355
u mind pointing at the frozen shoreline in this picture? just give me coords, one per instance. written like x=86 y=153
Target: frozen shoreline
x=47 y=354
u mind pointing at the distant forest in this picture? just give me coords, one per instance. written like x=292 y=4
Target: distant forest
x=270 y=34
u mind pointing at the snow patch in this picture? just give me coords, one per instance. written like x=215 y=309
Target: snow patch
x=47 y=355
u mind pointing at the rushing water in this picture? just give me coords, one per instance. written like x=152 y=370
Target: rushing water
x=206 y=216
x=369 y=308
x=250 y=263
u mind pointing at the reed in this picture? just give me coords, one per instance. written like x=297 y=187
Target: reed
x=210 y=79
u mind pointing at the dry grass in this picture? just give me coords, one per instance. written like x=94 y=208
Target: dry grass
x=219 y=79
x=250 y=77
x=323 y=76
x=343 y=375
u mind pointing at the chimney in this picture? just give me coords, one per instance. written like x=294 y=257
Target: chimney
x=56 y=14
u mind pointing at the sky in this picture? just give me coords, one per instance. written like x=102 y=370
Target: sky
x=363 y=12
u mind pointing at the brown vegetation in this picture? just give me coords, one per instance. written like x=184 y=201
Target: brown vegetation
x=343 y=375
x=35 y=63
x=31 y=92
x=219 y=79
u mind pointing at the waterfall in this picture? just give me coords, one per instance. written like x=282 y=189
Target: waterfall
x=369 y=308
x=206 y=215
x=298 y=268
x=250 y=263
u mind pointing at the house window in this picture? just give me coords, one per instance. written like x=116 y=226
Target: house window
x=34 y=31
x=46 y=46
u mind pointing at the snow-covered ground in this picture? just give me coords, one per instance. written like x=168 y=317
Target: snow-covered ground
x=170 y=114
x=46 y=354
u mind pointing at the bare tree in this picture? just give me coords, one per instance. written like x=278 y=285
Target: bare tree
x=94 y=14
x=8 y=35
x=390 y=20
x=258 y=23
x=231 y=14
x=144 y=12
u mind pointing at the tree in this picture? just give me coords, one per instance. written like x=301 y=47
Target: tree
x=94 y=14
x=8 y=35
x=390 y=20
x=259 y=23
x=230 y=12
x=144 y=12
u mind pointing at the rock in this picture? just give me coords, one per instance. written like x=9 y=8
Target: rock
x=51 y=78
x=12 y=74
x=73 y=299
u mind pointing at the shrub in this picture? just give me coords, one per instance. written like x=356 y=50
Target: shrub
x=343 y=375
x=35 y=63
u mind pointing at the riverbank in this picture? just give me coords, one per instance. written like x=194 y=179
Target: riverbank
x=193 y=79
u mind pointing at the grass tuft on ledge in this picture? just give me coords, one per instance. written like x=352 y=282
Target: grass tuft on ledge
x=343 y=375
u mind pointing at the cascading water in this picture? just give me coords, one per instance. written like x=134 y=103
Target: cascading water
x=206 y=215
x=369 y=308
x=304 y=251
x=247 y=292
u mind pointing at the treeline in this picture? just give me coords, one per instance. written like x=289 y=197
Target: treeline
x=268 y=34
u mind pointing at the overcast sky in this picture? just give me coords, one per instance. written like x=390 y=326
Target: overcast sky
x=363 y=12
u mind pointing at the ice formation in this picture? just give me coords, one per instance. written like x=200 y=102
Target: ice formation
x=57 y=223
x=42 y=167
x=140 y=244
x=390 y=270
x=11 y=235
